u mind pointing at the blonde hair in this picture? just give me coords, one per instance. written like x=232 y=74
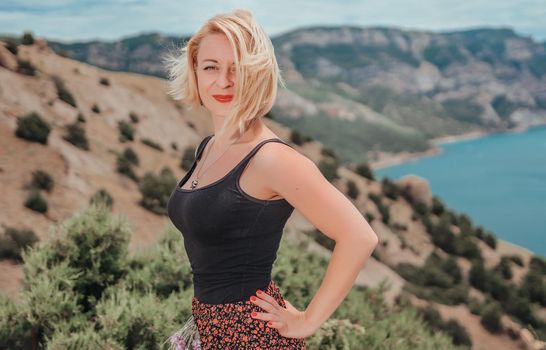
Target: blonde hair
x=257 y=72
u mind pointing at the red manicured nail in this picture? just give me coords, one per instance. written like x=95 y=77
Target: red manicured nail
x=269 y=324
x=252 y=298
x=254 y=313
x=258 y=292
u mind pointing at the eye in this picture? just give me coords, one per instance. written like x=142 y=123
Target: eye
x=207 y=68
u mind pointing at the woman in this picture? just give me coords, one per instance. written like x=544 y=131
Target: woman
x=234 y=201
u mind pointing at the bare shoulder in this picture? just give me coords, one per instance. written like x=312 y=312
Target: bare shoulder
x=297 y=178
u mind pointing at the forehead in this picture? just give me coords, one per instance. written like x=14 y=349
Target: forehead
x=215 y=47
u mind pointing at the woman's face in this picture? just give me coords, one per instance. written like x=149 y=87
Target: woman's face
x=215 y=73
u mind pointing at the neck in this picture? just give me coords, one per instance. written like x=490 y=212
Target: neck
x=232 y=136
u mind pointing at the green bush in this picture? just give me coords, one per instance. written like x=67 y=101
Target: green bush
x=538 y=264
x=364 y=170
x=328 y=167
x=63 y=93
x=534 y=287
x=14 y=241
x=27 y=39
x=156 y=190
x=95 y=108
x=491 y=318
x=102 y=196
x=490 y=240
x=33 y=128
x=389 y=188
x=295 y=137
x=134 y=117
x=126 y=131
x=352 y=190
x=75 y=134
x=104 y=81
x=438 y=206
x=152 y=144
x=188 y=158
x=83 y=290
x=383 y=209
x=457 y=332
x=25 y=67
x=36 y=202
x=80 y=118
x=131 y=156
x=11 y=45
x=503 y=267
x=41 y=180
x=125 y=166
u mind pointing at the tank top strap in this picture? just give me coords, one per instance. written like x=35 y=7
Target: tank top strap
x=256 y=148
x=201 y=147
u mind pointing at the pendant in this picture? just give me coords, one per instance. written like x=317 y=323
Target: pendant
x=194 y=184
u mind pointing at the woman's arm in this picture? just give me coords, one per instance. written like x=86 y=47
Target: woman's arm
x=300 y=182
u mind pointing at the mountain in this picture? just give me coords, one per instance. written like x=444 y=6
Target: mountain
x=118 y=135
x=383 y=90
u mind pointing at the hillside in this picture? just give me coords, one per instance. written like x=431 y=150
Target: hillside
x=423 y=244
x=396 y=90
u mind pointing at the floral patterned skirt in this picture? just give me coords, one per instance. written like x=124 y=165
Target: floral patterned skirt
x=230 y=326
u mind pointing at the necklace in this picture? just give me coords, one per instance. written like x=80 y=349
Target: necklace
x=198 y=174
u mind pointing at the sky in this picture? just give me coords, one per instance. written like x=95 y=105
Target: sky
x=109 y=20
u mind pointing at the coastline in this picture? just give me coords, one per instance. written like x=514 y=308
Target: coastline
x=385 y=159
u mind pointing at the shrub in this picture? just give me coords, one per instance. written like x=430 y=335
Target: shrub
x=80 y=118
x=75 y=134
x=534 y=287
x=27 y=39
x=295 y=137
x=33 y=128
x=36 y=202
x=328 y=167
x=352 y=190
x=11 y=45
x=491 y=318
x=478 y=276
x=364 y=170
x=126 y=131
x=104 y=81
x=322 y=239
x=389 y=188
x=42 y=180
x=383 y=209
x=134 y=117
x=25 y=67
x=503 y=267
x=62 y=92
x=437 y=206
x=538 y=264
x=327 y=152
x=14 y=241
x=516 y=259
x=125 y=167
x=188 y=158
x=490 y=240
x=102 y=196
x=152 y=144
x=131 y=156
x=156 y=190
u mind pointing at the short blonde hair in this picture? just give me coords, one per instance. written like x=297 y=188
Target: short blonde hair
x=257 y=71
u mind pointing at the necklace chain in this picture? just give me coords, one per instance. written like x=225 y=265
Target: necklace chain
x=199 y=173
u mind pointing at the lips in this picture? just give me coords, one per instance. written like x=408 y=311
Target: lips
x=223 y=98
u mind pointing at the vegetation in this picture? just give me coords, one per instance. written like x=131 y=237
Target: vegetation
x=36 y=202
x=156 y=189
x=33 y=128
x=352 y=189
x=126 y=131
x=125 y=162
x=27 y=38
x=25 y=67
x=41 y=180
x=104 y=81
x=14 y=241
x=134 y=117
x=102 y=196
x=75 y=134
x=187 y=158
x=63 y=93
x=363 y=169
x=152 y=144
x=328 y=167
x=95 y=108
x=84 y=290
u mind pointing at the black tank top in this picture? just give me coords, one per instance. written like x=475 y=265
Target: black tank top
x=230 y=237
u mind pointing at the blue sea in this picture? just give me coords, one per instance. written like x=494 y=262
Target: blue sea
x=499 y=180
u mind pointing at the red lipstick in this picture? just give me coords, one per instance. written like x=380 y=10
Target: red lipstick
x=223 y=98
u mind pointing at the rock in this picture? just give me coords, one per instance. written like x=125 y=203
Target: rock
x=7 y=59
x=417 y=187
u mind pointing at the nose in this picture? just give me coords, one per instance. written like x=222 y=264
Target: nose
x=225 y=78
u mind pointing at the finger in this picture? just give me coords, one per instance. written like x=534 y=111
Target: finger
x=274 y=324
x=289 y=306
x=268 y=298
x=263 y=304
x=265 y=316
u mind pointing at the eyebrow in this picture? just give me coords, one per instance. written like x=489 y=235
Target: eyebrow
x=210 y=59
